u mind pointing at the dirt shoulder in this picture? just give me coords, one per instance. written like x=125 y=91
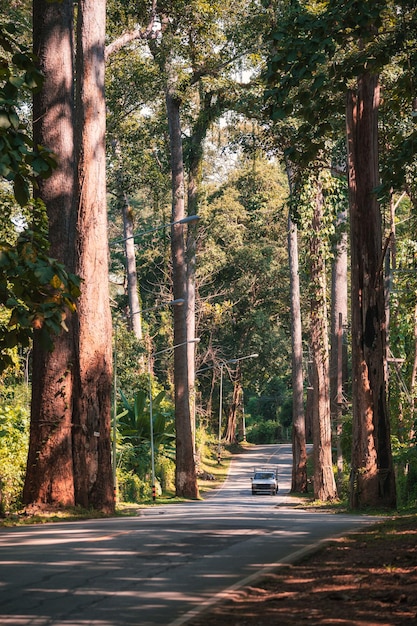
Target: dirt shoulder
x=363 y=579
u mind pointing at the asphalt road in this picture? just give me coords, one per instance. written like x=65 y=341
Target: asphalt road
x=163 y=565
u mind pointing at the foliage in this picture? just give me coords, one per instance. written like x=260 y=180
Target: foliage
x=36 y=290
x=403 y=302
x=128 y=359
x=274 y=403
x=267 y=431
x=21 y=162
x=134 y=428
x=269 y=415
x=135 y=424
x=14 y=440
x=136 y=127
x=318 y=49
x=131 y=487
x=165 y=472
x=405 y=459
x=242 y=277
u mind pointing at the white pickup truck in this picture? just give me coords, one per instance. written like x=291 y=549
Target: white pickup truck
x=265 y=480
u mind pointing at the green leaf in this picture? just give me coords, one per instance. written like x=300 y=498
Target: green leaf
x=4 y=121
x=45 y=274
x=21 y=190
x=122 y=414
x=140 y=400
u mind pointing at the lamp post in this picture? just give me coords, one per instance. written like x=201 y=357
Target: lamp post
x=177 y=302
x=179 y=287
x=150 y=357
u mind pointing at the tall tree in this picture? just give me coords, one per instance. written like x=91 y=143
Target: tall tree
x=131 y=270
x=338 y=320
x=303 y=84
x=120 y=190
x=373 y=481
x=185 y=472
x=49 y=477
x=324 y=483
x=196 y=36
x=69 y=455
x=93 y=478
x=299 y=465
x=230 y=436
x=299 y=450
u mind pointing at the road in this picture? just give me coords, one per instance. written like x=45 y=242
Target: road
x=164 y=564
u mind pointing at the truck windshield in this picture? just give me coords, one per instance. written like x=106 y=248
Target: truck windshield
x=264 y=475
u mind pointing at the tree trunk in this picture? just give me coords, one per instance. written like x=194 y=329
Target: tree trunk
x=135 y=319
x=185 y=471
x=231 y=427
x=413 y=379
x=299 y=463
x=372 y=476
x=92 y=412
x=324 y=483
x=299 y=451
x=338 y=354
x=49 y=476
x=131 y=270
x=194 y=180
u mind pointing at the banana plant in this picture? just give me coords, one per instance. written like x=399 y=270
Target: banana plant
x=135 y=425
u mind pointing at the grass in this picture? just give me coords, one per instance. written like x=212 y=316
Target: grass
x=69 y=514
x=209 y=464
x=218 y=471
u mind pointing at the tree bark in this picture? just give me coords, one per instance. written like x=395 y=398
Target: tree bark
x=324 y=483
x=338 y=356
x=231 y=427
x=413 y=379
x=185 y=471
x=135 y=319
x=92 y=413
x=299 y=463
x=131 y=270
x=195 y=166
x=299 y=451
x=372 y=475
x=49 y=476
x=194 y=179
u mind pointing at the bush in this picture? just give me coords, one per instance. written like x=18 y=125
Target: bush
x=405 y=461
x=14 y=442
x=132 y=488
x=165 y=473
x=264 y=432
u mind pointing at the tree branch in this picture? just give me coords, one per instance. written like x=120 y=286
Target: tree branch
x=145 y=34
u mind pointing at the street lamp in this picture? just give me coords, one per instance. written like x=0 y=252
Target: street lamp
x=150 y=357
x=185 y=220
x=177 y=302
